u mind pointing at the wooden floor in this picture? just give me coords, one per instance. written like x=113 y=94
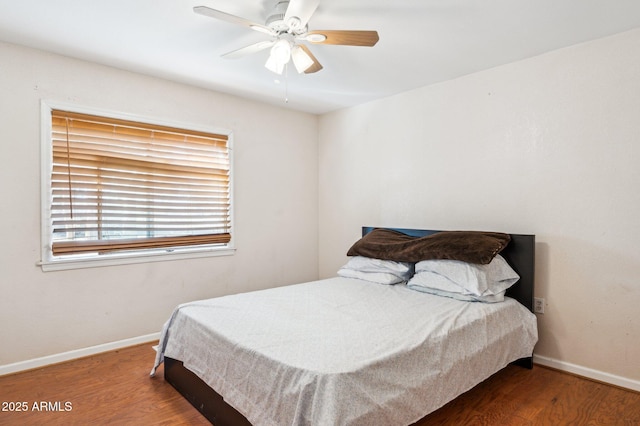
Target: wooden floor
x=115 y=388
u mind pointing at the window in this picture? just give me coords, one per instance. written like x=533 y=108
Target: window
x=123 y=188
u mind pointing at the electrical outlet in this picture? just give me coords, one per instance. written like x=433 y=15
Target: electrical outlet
x=538 y=305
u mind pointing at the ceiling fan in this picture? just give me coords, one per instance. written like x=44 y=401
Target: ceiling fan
x=288 y=29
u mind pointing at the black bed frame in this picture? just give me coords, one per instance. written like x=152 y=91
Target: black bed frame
x=519 y=253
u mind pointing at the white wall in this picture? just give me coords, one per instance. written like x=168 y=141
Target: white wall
x=275 y=208
x=548 y=146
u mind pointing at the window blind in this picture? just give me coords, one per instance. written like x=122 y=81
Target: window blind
x=124 y=185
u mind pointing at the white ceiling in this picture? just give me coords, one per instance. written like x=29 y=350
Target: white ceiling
x=421 y=41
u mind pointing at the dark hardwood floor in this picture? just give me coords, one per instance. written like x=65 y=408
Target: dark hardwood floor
x=115 y=388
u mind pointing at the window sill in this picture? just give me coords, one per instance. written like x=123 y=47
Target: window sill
x=78 y=262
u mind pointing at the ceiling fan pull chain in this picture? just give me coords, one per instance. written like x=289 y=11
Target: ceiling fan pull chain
x=286 y=83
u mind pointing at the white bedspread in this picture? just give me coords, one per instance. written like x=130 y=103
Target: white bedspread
x=343 y=351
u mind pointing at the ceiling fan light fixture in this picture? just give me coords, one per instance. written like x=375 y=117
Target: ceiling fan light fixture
x=279 y=56
x=274 y=66
x=301 y=59
x=281 y=51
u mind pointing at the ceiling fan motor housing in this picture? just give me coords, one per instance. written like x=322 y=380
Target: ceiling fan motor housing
x=275 y=20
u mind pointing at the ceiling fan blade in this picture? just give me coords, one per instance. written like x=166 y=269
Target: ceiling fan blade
x=247 y=50
x=316 y=65
x=223 y=16
x=346 y=38
x=302 y=10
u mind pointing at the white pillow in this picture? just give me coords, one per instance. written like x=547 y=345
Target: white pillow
x=429 y=282
x=374 y=277
x=377 y=270
x=492 y=298
x=474 y=279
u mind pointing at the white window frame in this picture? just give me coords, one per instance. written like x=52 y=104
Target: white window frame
x=49 y=262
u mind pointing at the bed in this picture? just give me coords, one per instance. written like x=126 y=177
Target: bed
x=344 y=350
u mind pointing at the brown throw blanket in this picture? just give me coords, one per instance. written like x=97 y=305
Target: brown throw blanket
x=467 y=246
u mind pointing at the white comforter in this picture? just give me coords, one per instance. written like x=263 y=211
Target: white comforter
x=343 y=351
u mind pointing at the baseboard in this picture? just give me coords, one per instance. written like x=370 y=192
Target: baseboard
x=589 y=373
x=75 y=354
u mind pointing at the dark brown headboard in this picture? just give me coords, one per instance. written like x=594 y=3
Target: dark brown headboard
x=519 y=253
